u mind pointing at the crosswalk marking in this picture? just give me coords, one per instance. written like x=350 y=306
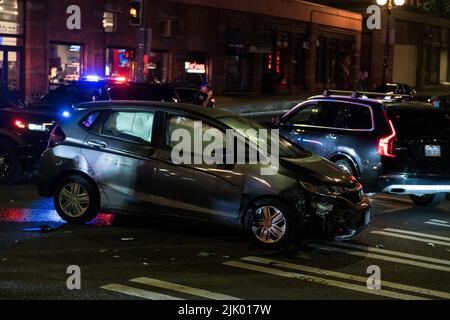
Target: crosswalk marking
x=438 y=224
x=392 y=253
x=382 y=257
x=276 y=263
x=402 y=236
x=419 y=234
x=322 y=281
x=138 y=292
x=439 y=221
x=184 y=289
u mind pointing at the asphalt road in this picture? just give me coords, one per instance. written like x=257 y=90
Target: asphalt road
x=160 y=258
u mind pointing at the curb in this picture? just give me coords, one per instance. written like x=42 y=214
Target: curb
x=260 y=108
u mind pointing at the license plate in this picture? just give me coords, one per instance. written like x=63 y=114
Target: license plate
x=432 y=151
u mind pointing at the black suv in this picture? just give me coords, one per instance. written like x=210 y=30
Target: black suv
x=23 y=137
x=390 y=146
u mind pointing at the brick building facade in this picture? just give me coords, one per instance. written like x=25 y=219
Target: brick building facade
x=239 y=46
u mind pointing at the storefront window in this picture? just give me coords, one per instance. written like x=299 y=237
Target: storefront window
x=11 y=17
x=120 y=62
x=196 y=68
x=64 y=62
x=158 y=67
x=109 y=21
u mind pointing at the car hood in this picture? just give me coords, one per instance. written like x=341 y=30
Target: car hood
x=319 y=169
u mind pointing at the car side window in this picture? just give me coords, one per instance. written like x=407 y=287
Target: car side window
x=131 y=126
x=89 y=121
x=358 y=118
x=180 y=122
x=330 y=115
x=303 y=116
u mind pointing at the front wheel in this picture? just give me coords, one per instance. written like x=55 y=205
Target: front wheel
x=270 y=224
x=76 y=200
x=428 y=200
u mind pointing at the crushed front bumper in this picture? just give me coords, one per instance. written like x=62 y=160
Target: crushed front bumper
x=339 y=218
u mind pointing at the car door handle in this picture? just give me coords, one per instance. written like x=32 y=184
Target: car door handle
x=98 y=144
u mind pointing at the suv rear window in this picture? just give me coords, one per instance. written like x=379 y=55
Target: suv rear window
x=358 y=118
x=414 y=123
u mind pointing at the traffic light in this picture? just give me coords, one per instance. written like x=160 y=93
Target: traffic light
x=135 y=12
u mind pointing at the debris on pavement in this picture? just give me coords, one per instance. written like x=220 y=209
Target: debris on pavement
x=116 y=257
x=215 y=255
x=379 y=246
x=103 y=250
x=431 y=244
x=145 y=263
x=127 y=239
x=173 y=259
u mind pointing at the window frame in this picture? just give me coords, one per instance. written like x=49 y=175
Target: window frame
x=334 y=128
x=108 y=113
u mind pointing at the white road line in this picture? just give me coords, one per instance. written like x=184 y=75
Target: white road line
x=184 y=289
x=323 y=281
x=424 y=235
x=381 y=257
x=438 y=224
x=439 y=221
x=401 y=236
x=392 y=253
x=384 y=283
x=138 y=292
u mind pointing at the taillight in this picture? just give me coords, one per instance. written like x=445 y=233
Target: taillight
x=56 y=137
x=20 y=124
x=386 y=144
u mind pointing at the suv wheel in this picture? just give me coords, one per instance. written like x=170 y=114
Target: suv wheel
x=9 y=162
x=346 y=166
x=428 y=200
x=269 y=224
x=76 y=200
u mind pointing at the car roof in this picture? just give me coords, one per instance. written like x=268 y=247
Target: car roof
x=181 y=107
x=366 y=101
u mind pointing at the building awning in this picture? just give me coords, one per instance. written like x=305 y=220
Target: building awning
x=247 y=41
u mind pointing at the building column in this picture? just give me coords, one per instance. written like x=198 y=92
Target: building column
x=310 y=69
x=36 y=73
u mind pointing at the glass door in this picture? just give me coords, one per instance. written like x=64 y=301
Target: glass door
x=10 y=73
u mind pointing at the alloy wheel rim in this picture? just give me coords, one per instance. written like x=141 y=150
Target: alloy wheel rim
x=74 y=200
x=5 y=163
x=269 y=225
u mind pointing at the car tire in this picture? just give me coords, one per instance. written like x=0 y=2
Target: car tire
x=76 y=200
x=346 y=166
x=274 y=232
x=10 y=165
x=428 y=200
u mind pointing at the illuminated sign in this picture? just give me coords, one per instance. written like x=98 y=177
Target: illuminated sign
x=193 y=67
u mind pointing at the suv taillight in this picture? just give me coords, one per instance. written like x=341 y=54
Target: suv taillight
x=386 y=144
x=56 y=137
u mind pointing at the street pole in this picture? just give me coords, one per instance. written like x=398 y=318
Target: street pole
x=387 y=45
x=141 y=39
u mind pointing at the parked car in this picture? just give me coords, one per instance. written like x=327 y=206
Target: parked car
x=393 y=147
x=100 y=161
x=396 y=88
x=23 y=137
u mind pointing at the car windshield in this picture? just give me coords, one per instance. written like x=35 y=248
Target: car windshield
x=6 y=103
x=386 y=88
x=420 y=123
x=250 y=130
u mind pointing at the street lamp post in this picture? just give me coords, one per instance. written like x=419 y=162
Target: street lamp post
x=390 y=5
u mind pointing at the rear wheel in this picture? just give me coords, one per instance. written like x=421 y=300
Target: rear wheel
x=9 y=162
x=428 y=200
x=270 y=224
x=346 y=166
x=76 y=200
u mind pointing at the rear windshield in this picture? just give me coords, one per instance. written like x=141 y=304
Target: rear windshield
x=420 y=123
